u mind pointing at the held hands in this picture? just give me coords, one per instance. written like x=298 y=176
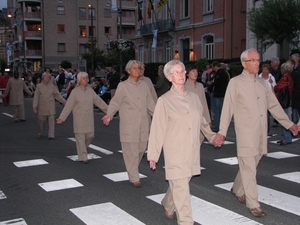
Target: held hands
x=59 y=121
x=106 y=119
x=294 y=129
x=152 y=164
x=218 y=140
x=34 y=110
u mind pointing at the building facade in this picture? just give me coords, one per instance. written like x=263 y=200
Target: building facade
x=190 y=30
x=50 y=31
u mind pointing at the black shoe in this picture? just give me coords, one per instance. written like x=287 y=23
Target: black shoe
x=281 y=143
x=23 y=120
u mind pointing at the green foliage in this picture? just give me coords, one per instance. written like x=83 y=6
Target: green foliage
x=124 y=47
x=66 y=64
x=201 y=64
x=276 y=21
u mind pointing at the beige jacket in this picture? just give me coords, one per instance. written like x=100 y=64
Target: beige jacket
x=248 y=99
x=133 y=100
x=81 y=102
x=151 y=87
x=44 y=98
x=15 y=88
x=176 y=124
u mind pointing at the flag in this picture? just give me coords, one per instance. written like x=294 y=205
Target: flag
x=140 y=16
x=160 y=5
x=154 y=43
x=150 y=8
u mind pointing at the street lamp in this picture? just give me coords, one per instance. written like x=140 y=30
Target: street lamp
x=92 y=36
x=121 y=36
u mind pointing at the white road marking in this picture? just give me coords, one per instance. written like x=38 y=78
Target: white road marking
x=19 y=221
x=275 y=142
x=104 y=214
x=2 y=195
x=293 y=176
x=206 y=213
x=229 y=161
x=281 y=155
x=225 y=143
x=96 y=148
x=33 y=162
x=122 y=176
x=60 y=185
x=9 y=115
x=277 y=199
x=89 y=157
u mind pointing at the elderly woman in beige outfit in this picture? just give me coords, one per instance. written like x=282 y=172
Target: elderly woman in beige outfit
x=44 y=104
x=133 y=100
x=81 y=102
x=192 y=85
x=177 y=121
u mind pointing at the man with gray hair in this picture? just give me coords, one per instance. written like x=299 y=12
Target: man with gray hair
x=245 y=93
x=296 y=58
x=275 y=71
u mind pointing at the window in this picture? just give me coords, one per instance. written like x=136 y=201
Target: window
x=91 y=31
x=82 y=13
x=82 y=30
x=60 y=10
x=107 y=13
x=168 y=53
x=209 y=47
x=60 y=1
x=141 y=53
x=208 y=6
x=107 y=30
x=153 y=55
x=61 y=28
x=91 y=13
x=185 y=8
x=61 y=47
x=82 y=49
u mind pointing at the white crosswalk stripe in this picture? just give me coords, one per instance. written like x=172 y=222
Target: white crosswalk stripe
x=104 y=151
x=60 y=185
x=277 y=199
x=19 y=221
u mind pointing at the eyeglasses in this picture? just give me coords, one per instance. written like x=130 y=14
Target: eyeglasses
x=177 y=73
x=252 y=60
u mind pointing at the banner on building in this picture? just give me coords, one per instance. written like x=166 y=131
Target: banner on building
x=114 y=5
x=150 y=8
x=154 y=43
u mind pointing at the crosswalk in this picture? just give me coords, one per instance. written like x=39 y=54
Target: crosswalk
x=204 y=212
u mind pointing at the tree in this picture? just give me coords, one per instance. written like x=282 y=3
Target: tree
x=275 y=22
x=66 y=64
x=124 y=47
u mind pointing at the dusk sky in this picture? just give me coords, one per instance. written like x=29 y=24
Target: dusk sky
x=3 y=4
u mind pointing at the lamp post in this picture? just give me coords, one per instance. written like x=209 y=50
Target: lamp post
x=121 y=36
x=92 y=36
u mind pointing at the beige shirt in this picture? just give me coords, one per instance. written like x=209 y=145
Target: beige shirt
x=176 y=124
x=248 y=99
x=15 y=88
x=81 y=102
x=44 y=98
x=133 y=100
x=151 y=87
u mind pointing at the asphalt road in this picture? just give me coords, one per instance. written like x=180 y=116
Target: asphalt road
x=41 y=184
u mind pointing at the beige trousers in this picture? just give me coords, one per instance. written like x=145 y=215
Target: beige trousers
x=245 y=181
x=178 y=198
x=18 y=112
x=132 y=154
x=51 y=123
x=83 y=140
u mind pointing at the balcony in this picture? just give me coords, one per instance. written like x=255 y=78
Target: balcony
x=161 y=26
x=127 y=21
x=28 y=54
x=33 y=35
x=32 y=16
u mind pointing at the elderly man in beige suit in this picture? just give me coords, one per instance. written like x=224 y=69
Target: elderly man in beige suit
x=44 y=104
x=247 y=99
x=133 y=100
x=15 y=87
x=176 y=125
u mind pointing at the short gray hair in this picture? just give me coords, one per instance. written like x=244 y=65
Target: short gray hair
x=244 y=55
x=80 y=75
x=45 y=74
x=130 y=63
x=276 y=60
x=286 y=68
x=169 y=66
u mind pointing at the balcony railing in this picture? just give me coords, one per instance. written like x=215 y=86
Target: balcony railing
x=127 y=20
x=164 y=25
x=33 y=34
x=32 y=15
x=28 y=53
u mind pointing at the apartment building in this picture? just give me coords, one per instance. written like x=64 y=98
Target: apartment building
x=190 y=30
x=50 y=31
